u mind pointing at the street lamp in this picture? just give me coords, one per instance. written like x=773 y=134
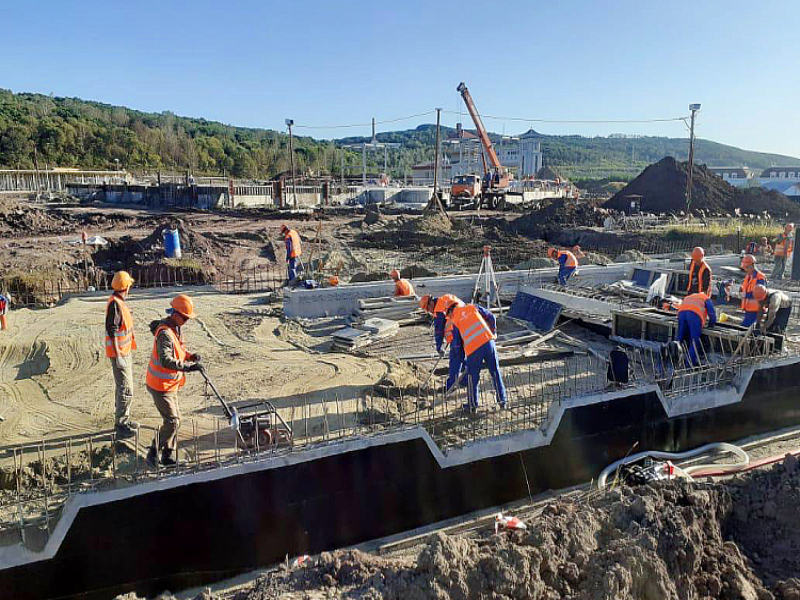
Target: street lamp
x=694 y=108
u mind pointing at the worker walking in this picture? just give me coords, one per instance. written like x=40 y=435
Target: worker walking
x=699 y=273
x=753 y=277
x=784 y=246
x=567 y=263
x=402 y=287
x=166 y=375
x=694 y=312
x=5 y=303
x=778 y=308
x=474 y=329
x=293 y=250
x=120 y=342
x=443 y=331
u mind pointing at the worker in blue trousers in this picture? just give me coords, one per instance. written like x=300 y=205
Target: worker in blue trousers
x=753 y=277
x=438 y=308
x=694 y=313
x=474 y=329
x=293 y=251
x=567 y=263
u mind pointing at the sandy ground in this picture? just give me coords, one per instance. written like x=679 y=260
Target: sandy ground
x=55 y=379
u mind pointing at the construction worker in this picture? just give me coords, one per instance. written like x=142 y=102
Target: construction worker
x=166 y=375
x=778 y=308
x=694 y=312
x=120 y=342
x=567 y=263
x=293 y=250
x=753 y=277
x=762 y=247
x=402 y=287
x=474 y=329
x=784 y=246
x=578 y=252
x=699 y=273
x=443 y=331
x=5 y=302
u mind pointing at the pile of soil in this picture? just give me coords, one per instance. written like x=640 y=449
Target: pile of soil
x=662 y=187
x=666 y=540
x=558 y=214
x=21 y=219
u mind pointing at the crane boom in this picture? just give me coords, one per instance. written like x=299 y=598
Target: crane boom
x=476 y=118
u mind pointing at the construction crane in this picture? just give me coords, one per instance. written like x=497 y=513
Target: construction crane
x=495 y=180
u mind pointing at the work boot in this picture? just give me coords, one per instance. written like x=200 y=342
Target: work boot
x=152 y=457
x=126 y=431
x=168 y=458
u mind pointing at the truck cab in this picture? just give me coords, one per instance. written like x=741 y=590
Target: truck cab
x=466 y=186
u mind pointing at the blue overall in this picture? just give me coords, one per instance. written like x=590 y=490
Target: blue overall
x=485 y=355
x=690 y=329
x=456 y=356
x=750 y=317
x=290 y=262
x=564 y=272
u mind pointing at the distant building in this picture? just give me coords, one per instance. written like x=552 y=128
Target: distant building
x=736 y=176
x=791 y=173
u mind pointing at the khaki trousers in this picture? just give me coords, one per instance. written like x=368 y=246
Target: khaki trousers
x=123 y=380
x=167 y=405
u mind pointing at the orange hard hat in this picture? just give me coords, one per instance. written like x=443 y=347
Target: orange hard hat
x=122 y=281
x=183 y=305
x=760 y=293
x=333 y=280
x=395 y=274
x=552 y=252
x=424 y=301
x=698 y=253
x=748 y=260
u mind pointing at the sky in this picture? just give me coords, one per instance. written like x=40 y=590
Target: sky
x=325 y=63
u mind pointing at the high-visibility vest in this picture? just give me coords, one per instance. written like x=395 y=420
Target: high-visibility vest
x=126 y=340
x=296 y=250
x=571 y=260
x=159 y=377
x=472 y=327
x=699 y=273
x=695 y=303
x=784 y=246
x=403 y=287
x=444 y=301
x=749 y=303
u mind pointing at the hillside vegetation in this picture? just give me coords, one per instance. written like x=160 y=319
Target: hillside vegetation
x=72 y=132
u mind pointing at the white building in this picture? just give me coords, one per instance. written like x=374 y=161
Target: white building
x=785 y=180
x=736 y=176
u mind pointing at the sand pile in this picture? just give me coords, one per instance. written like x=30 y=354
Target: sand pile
x=662 y=187
x=670 y=540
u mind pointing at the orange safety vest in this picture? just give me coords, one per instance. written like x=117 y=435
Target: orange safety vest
x=403 y=287
x=443 y=301
x=700 y=273
x=160 y=378
x=571 y=260
x=695 y=303
x=472 y=327
x=750 y=282
x=125 y=338
x=784 y=246
x=296 y=249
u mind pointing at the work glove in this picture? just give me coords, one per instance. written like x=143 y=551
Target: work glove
x=121 y=361
x=193 y=367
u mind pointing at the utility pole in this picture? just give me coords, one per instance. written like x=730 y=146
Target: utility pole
x=289 y=123
x=435 y=200
x=694 y=108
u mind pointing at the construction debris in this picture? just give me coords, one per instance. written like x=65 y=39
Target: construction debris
x=371 y=330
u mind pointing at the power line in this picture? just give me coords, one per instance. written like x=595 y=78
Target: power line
x=667 y=120
x=422 y=114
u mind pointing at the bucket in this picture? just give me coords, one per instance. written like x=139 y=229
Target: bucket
x=172 y=243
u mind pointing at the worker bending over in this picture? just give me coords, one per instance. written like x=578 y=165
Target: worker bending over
x=120 y=342
x=699 y=273
x=402 y=287
x=474 y=329
x=694 y=312
x=778 y=308
x=5 y=303
x=166 y=375
x=293 y=250
x=753 y=277
x=443 y=331
x=567 y=263
x=784 y=246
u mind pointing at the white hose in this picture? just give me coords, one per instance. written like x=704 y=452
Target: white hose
x=721 y=447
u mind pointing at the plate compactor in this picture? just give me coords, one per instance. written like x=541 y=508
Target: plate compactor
x=258 y=426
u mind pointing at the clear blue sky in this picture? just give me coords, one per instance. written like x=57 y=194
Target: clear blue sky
x=323 y=62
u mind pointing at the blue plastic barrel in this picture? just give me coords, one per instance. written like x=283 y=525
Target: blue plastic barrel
x=172 y=243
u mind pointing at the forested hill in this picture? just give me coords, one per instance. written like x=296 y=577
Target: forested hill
x=72 y=132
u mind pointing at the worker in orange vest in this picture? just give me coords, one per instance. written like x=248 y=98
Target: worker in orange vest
x=753 y=277
x=402 y=287
x=699 y=273
x=5 y=303
x=120 y=342
x=567 y=263
x=474 y=329
x=293 y=250
x=166 y=375
x=696 y=310
x=784 y=246
x=443 y=331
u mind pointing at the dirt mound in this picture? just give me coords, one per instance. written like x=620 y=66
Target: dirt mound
x=367 y=277
x=630 y=256
x=558 y=214
x=662 y=187
x=663 y=541
x=549 y=173
x=412 y=271
x=433 y=224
